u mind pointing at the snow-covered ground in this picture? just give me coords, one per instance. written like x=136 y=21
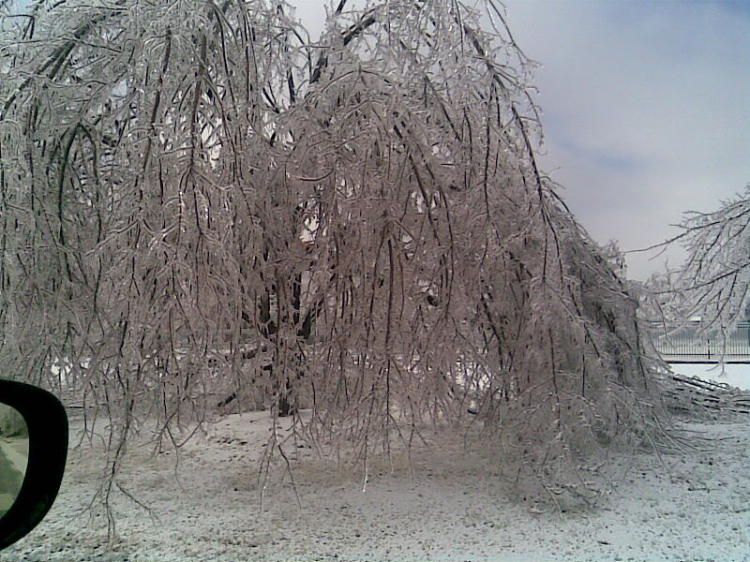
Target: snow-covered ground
x=444 y=505
x=734 y=374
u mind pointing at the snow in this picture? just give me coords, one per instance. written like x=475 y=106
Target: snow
x=734 y=374
x=444 y=505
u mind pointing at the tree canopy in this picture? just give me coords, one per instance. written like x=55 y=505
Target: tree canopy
x=200 y=206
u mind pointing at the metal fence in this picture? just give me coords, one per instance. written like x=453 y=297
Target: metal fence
x=693 y=344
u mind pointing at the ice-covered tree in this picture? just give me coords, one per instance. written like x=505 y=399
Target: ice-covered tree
x=714 y=282
x=201 y=207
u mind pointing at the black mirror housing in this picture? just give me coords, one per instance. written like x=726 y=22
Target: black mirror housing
x=47 y=426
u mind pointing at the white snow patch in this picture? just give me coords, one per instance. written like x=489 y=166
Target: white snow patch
x=443 y=506
x=733 y=374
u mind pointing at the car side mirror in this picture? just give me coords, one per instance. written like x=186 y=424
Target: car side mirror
x=33 y=451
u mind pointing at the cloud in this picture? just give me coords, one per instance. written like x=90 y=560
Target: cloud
x=645 y=109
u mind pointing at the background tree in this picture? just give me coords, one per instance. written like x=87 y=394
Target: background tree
x=199 y=203
x=714 y=281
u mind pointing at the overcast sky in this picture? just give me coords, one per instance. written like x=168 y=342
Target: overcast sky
x=646 y=109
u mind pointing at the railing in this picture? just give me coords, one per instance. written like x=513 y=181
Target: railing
x=690 y=344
